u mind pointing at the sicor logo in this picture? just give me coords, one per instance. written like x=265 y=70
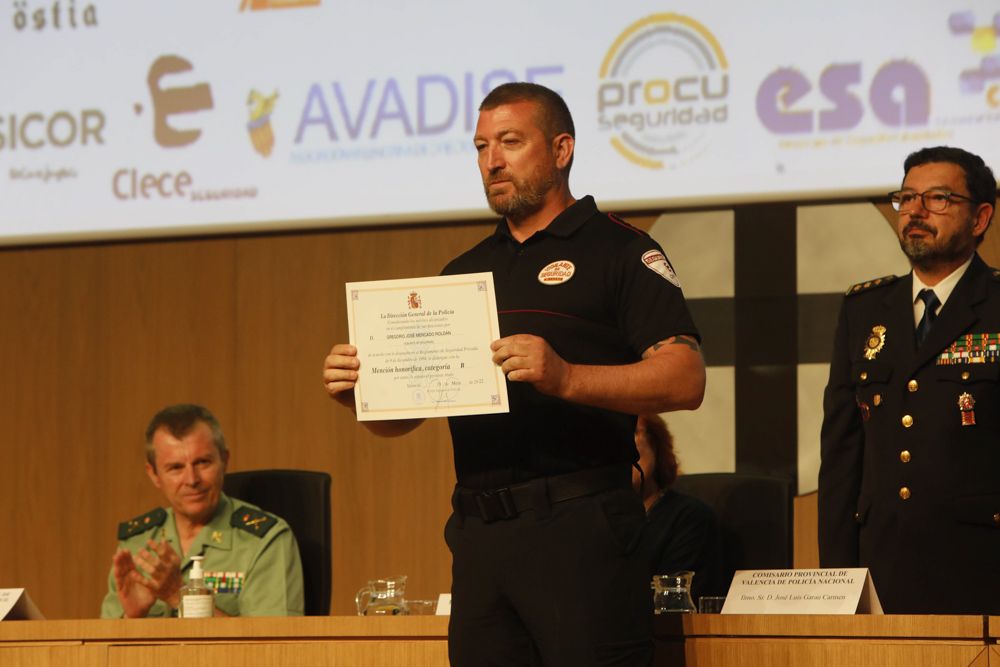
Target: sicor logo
x=57 y=129
x=664 y=84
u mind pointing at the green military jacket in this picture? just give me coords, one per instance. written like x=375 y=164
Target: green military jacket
x=251 y=560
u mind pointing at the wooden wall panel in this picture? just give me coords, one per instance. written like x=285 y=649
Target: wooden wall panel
x=95 y=340
x=52 y=364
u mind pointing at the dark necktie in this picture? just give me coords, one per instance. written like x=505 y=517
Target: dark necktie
x=931 y=303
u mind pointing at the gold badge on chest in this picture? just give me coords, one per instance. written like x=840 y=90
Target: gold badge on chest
x=875 y=342
x=966 y=403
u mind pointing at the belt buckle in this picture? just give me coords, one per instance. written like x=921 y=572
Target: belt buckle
x=496 y=505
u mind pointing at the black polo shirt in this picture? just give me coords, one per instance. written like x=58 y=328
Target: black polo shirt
x=600 y=292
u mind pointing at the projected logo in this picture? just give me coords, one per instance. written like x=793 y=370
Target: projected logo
x=664 y=86
x=39 y=132
x=260 y=107
x=173 y=101
x=256 y=5
x=399 y=117
x=171 y=109
x=39 y=16
x=984 y=79
x=899 y=95
x=60 y=129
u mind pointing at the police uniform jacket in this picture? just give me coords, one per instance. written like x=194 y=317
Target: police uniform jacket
x=251 y=560
x=909 y=484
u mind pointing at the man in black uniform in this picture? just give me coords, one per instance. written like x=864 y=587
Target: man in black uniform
x=594 y=331
x=908 y=484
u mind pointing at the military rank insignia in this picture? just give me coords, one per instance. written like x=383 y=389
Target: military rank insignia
x=869 y=284
x=875 y=342
x=142 y=523
x=252 y=521
x=225 y=582
x=973 y=348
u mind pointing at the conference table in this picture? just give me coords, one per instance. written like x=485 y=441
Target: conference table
x=418 y=641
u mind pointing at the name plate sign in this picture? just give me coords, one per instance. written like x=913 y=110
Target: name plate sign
x=17 y=605
x=823 y=591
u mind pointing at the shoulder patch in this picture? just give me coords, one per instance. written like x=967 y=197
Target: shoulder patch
x=869 y=284
x=142 y=523
x=996 y=275
x=657 y=262
x=253 y=521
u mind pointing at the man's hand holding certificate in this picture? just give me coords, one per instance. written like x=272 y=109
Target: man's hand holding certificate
x=424 y=347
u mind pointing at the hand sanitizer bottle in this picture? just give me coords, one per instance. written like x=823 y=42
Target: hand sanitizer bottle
x=197 y=599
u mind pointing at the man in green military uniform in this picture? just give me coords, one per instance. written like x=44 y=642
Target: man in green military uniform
x=251 y=558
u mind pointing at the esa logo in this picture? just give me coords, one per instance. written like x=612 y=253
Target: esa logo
x=898 y=95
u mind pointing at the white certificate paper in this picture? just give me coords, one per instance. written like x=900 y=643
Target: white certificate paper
x=424 y=347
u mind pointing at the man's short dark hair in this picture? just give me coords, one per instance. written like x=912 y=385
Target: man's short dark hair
x=180 y=420
x=555 y=118
x=979 y=178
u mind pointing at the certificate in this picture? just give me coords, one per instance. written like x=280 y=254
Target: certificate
x=424 y=347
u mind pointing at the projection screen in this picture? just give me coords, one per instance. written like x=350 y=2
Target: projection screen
x=125 y=119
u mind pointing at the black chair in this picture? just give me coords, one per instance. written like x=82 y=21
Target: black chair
x=755 y=518
x=302 y=498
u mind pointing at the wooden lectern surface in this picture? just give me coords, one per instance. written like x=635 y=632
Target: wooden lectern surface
x=407 y=641
x=855 y=641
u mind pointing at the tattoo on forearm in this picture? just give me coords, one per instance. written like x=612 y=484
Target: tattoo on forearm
x=677 y=340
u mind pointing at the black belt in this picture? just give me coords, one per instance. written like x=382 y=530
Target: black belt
x=509 y=501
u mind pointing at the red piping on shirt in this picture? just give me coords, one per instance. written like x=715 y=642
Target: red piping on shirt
x=541 y=312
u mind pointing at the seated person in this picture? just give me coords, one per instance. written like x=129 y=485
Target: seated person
x=251 y=558
x=681 y=532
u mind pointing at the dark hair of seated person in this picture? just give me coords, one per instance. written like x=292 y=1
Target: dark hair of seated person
x=681 y=532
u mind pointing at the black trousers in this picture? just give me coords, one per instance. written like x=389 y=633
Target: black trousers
x=563 y=585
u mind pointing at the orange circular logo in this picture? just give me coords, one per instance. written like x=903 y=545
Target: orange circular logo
x=557 y=272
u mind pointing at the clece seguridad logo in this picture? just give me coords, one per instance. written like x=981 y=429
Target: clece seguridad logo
x=663 y=87
x=174 y=109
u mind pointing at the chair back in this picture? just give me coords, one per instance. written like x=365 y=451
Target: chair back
x=302 y=498
x=755 y=518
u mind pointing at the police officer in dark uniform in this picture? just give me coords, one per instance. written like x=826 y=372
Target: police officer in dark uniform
x=909 y=484
x=594 y=331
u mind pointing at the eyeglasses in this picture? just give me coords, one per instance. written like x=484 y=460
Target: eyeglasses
x=935 y=201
